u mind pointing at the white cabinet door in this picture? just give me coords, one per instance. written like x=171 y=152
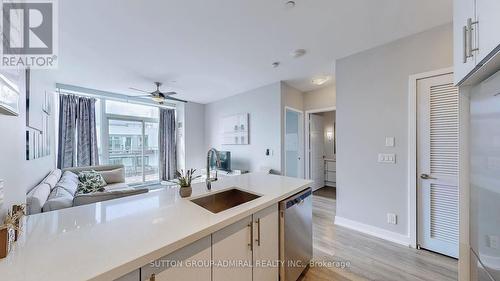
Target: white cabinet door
x=179 y=264
x=233 y=244
x=488 y=17
x=462 y=11
x=266 y=244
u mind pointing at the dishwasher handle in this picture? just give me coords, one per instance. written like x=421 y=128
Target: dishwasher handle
x=297 y=199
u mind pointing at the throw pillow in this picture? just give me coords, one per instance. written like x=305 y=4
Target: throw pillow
x=90 y=182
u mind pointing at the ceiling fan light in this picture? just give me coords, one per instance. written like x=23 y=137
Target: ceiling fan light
x=158 y=99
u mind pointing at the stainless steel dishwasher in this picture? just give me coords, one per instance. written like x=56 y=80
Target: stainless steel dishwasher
x=295 y=235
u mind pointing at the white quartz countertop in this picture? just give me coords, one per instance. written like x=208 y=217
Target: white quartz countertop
x=107 y=240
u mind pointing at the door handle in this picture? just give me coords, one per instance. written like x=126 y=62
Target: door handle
x=258 y=232
x=427 y=177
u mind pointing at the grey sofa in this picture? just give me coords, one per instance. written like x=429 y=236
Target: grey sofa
x=59 y=189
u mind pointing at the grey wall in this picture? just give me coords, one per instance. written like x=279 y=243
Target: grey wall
x=372 y=102
x=321 y=98
x=21 y=175
x=264 y=108
x=194 y=128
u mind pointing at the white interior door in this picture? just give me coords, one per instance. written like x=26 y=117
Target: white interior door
x=294 y=144
x=437 y=164
x=316 y=151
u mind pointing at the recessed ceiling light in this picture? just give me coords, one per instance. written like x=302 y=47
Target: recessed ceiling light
x=320 y=80
x=298 y=53
x=275 y=64
x=290 y=4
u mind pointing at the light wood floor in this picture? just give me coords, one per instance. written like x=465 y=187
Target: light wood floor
x=365 y=257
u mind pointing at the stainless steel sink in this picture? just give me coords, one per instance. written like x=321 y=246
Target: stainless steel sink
x=224 y=200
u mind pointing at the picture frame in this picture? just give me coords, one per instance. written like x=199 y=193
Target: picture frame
x=9 y=93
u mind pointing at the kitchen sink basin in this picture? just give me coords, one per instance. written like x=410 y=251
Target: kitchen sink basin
x=224 y=200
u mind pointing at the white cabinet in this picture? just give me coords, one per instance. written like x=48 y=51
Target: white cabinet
x=476 y=35
x=266 y=244
x=330 y=173
x=233 y=244
x=253 y=242
x=488 y=27
x=180 y=264
x=463 y=10
x=242 y=251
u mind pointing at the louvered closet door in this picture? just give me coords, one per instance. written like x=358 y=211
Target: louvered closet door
x=437 y=147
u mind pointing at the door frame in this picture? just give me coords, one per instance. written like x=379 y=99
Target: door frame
x=412 y=149
x=301 y=140
x=307 y=153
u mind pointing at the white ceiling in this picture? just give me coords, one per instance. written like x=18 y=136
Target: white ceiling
x=218 y=48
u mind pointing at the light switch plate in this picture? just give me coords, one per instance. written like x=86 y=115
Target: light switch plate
x=387 y=158
x=390 y=141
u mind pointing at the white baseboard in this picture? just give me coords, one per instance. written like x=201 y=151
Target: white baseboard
x=373 y=231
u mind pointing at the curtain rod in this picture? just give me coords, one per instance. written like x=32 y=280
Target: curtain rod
x=87 y=92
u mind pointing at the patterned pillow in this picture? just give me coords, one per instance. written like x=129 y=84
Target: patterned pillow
x=90 y=182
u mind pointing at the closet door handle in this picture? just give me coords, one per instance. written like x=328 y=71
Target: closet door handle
x=427 y=177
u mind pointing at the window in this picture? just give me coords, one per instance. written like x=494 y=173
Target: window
x=132 y=133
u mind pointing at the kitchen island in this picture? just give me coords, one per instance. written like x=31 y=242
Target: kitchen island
x=113 y=239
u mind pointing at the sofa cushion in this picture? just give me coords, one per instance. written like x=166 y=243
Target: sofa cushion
x=113 y=176
x=90 y=181
x=53 y=178
x=59 y=198
x=36 y=198
x=117 y=186
x=83 y=199
x=69 y=181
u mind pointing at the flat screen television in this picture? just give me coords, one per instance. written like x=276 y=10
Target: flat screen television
x=225 y=161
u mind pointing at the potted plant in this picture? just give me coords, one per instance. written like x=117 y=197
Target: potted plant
x=184 y=179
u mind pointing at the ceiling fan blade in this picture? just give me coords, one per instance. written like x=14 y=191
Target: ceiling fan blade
x=174 y=99
x=170 y=93
x=135 y=89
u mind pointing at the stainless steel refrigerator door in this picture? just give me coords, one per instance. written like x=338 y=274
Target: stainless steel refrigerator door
x=296 y=235
x=485 y=174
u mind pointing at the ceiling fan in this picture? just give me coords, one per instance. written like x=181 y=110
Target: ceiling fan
x=158 y=96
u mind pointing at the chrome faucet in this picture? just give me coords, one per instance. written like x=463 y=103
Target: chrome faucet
x=209 y=179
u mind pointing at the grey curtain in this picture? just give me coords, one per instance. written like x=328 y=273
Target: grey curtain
x=67 y=131
x=77 y=132
x=87 y=152
x=168 y=145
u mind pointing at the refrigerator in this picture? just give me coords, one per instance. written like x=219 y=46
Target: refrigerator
x=485 y=180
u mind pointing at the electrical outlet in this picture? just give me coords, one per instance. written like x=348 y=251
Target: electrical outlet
x=392 y=218
x=493 y=241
